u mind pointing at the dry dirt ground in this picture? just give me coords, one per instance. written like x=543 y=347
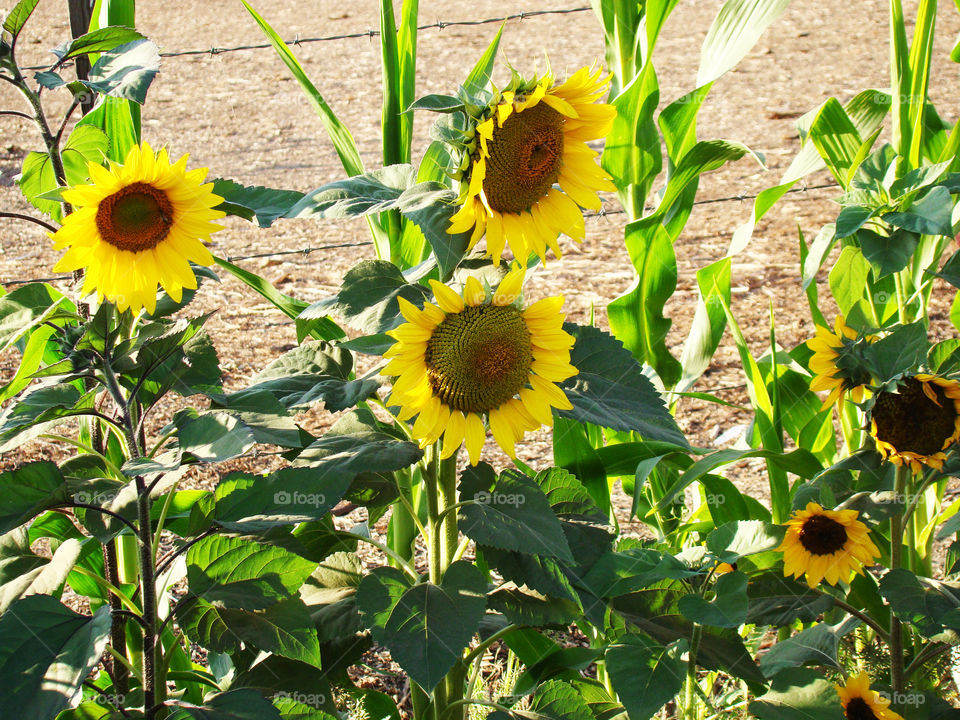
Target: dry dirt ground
x=241 y=115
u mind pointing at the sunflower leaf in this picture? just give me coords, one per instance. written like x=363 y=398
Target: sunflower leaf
x=728 y=609
x=798 y=694
x=126 y=71
x=611 y=390
x=240 y=704
x=511 y=513
x=817 y=645
x=428 y=625
x=645 y=674
x=46 y=651
x=255 y=202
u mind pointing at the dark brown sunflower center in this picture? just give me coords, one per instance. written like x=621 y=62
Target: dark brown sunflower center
x=525 y=159
x=911 y=422
x=479 y=358
x=821 y=535
x=137 y=217
x=858 y=709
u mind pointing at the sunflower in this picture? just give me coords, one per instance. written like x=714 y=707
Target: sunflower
x=829 y=544
x=861 y=703
x=476 y=355
x=918 y=421
x=138 y=225
x=836 y=363
x=529 y=138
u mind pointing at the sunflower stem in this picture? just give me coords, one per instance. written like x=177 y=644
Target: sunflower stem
x=690 y=704
x=897 y=676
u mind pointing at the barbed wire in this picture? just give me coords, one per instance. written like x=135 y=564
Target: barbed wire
x=438 y=25
x=321 y=248
x=371 y=33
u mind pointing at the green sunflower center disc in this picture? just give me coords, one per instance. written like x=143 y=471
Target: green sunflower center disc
x=137 y=217
x=821 y=535
x=857 y=709
x=912 y=422
x=525 y=159
x=479 y=358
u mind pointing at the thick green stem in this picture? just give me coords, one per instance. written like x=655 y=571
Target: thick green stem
x=896 y=558
x=690 y=704
x=118 y=640
x=148 y=594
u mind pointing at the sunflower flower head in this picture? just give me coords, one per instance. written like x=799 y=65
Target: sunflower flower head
x=837 y=363
x=136 y=226
x=531 y=137
x=916 y=421
x=826 y=544
x=861 y=703
x=479 y=354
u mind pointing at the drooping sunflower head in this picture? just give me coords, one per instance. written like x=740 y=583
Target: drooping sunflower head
x=861 y=703
x=837 y=362
x=917 y=420
x=530 y=138
x=826 y=544
x=479 y=355
x=138 y=225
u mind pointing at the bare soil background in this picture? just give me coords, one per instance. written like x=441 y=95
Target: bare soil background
x=244 y=117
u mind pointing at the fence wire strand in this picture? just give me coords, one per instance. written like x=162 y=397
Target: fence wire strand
x=438 y=25
x=322 y=248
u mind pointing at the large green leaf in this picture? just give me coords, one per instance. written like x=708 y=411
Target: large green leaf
x=46 y=577
x=611 y=390
x=310 y=373
x=736 y=29
x=799 y=694
x=373 y=192
x=553 y=700
x=619 y=573
x=585 y=525
x=817 y=645
x=213 y=436
x=15 y=20
x=97 y=41
x=29 y=490
x=263 y=204
x=285 y=628
x=243 y=573
x=930 y=605
x=645 y=674
x=126 y=71
x=27 y=307
x=242 y=704
x=510 y=512
x=526 y=607
x=353 y=446
x=86 y=144
x=46 y=652
x=428 y=626
x=743 y=538
x=250 y=503
x=776 y=600
x=727 y=610
x=654 y=610
x=368 y=297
